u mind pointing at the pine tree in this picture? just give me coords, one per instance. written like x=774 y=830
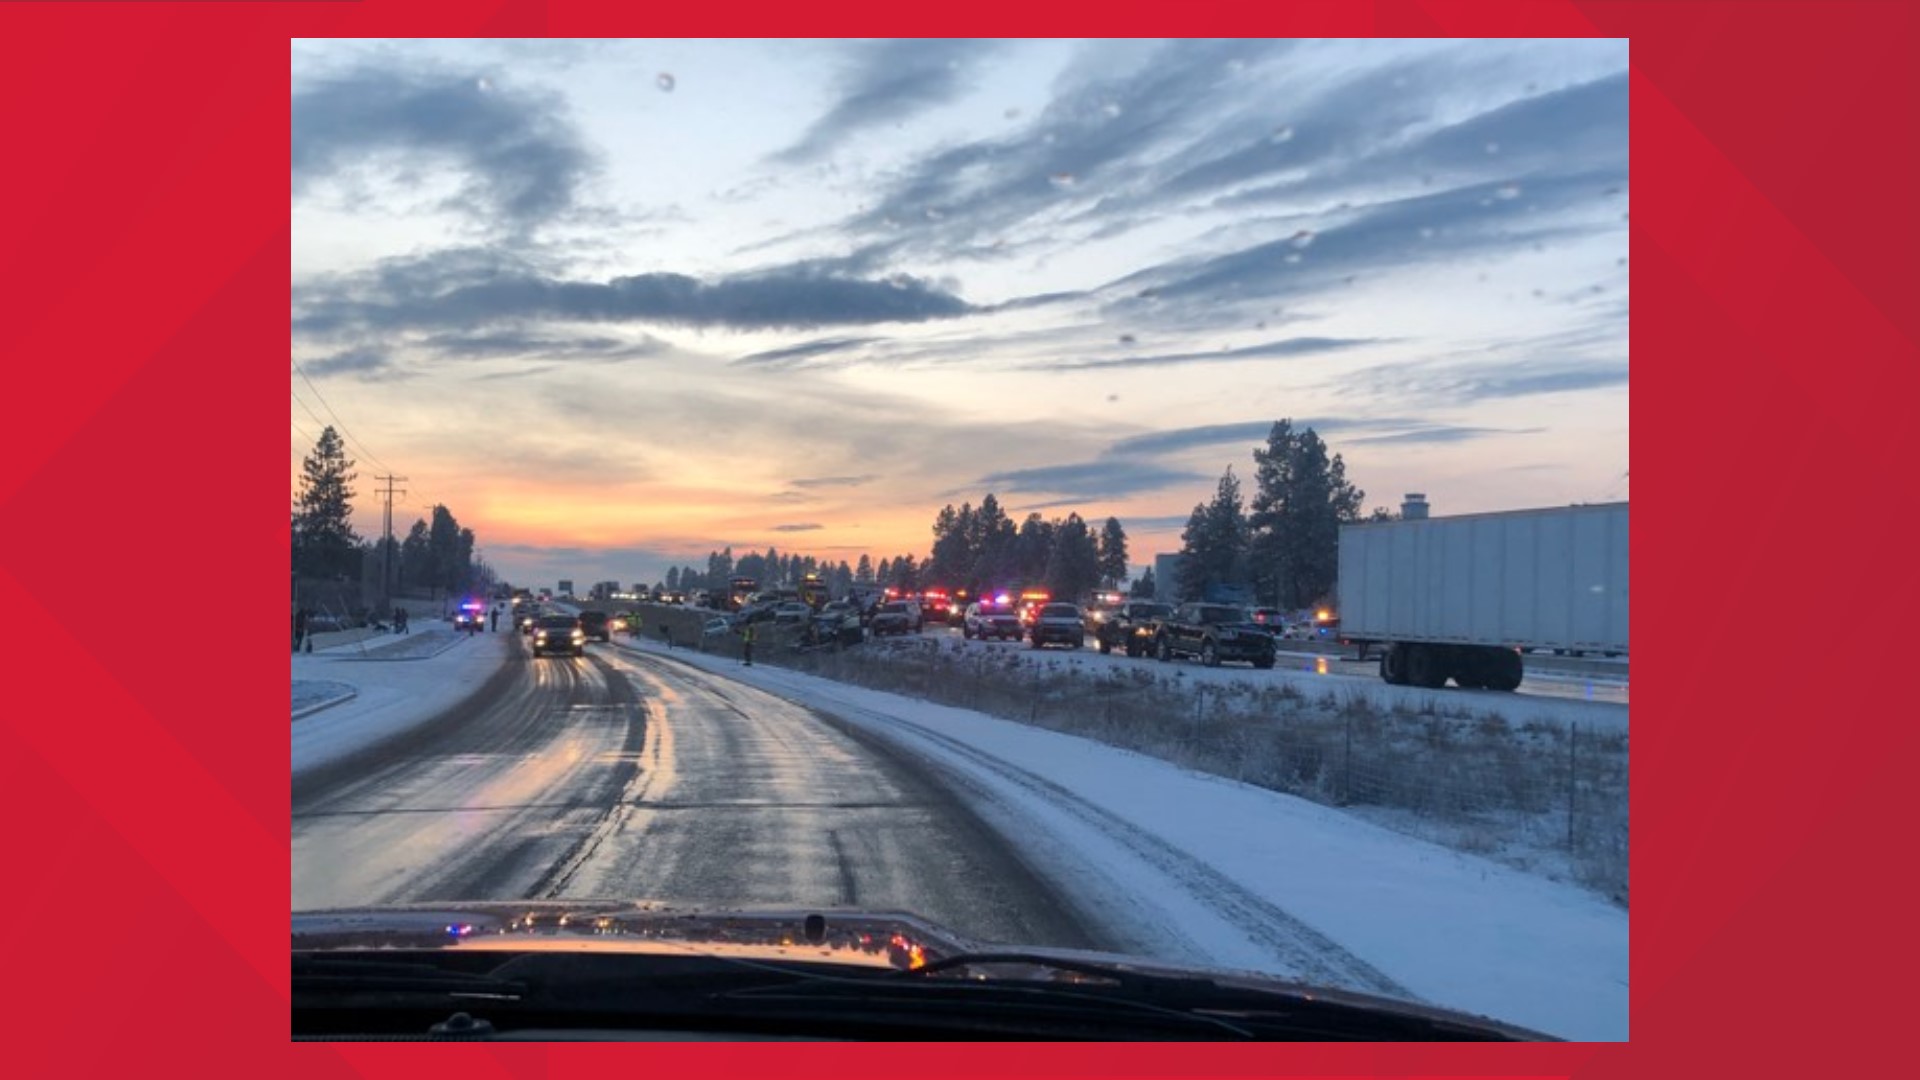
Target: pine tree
x=1073 y=566
x=1113 y=553
x=324 y=543
x=864 y=572
x=1213 y=549
x=1143 y=586
x=1301 y=501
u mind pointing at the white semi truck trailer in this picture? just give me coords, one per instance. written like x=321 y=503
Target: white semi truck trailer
x=1463 y=597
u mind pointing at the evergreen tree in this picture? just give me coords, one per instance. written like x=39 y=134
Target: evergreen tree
x=1302 y=499
x=1213 y=547
x=416 y=558
x=324 y=543
x=1143 y=586
x=864 y=573
x=952 y=559
x=1073 y=566
x=1113 y=553
x=443 y=545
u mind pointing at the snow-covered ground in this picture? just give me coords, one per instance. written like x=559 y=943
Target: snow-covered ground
x=1608 y=708
x=1158 y=845
x=391 y=696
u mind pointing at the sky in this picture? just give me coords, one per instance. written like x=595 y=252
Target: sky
x=620 y=303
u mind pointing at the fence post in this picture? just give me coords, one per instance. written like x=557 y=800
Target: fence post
x=1573 y=776
x=1346 y=766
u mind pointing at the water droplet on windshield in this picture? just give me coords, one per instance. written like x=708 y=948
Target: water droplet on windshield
x=483 y=86
x=1282 y=134
x=665 y=82
x=1493 y=148
x=1538 y=293
x=934 y=215
x=1293 y=257
x=1113 y=397
x=1111 y=110
x=1236 y=65
x=1510 y=191
x=1261 y=325
x=1426 y=233
x=1621 y=261
x=1062 y=179
x=1302 y=238
x=1126 y=339
x=1013 y=114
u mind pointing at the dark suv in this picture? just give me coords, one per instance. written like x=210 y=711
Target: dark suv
x=1059 y=623
x=595 y=624
x=558 y=634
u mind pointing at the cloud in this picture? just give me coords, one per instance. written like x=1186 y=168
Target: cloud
x=834 y=481
x=1304 y=346
x=467 y=296
x=809 y=527
x=1443 y=434
x=1124 y=105
x=887 y=81
x=522 y=160
x=516 y=343
x=794 y=354
x=366 y=363
x=1579 y=128
x=1488 y=218
x=1475 y=382
x=1251 y=432
x=1168 y=523
x=1090 y=480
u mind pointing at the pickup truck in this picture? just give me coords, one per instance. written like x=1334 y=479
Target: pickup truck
x=1129 y=626
x=1214 y=633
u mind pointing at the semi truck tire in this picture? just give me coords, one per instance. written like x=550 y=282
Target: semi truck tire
x=1427 y=667
x=1393 y=664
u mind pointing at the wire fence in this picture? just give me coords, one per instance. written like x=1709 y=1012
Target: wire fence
x=1473 y=780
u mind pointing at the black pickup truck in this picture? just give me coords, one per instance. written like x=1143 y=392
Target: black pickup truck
x=1214 y=633
x=1128 y=626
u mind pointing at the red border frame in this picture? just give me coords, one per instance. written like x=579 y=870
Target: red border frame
x=143 y=257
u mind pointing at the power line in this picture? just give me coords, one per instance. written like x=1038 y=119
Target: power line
x=322 y=398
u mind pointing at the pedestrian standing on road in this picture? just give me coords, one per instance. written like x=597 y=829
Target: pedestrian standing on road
x=493 y=620
x=666 y=631
x=400 y=618
x=746 y=644
x=299 y=627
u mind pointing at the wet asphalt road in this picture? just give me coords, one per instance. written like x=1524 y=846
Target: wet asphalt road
x=617 y=776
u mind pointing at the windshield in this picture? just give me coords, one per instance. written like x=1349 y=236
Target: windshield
x=1154 y=325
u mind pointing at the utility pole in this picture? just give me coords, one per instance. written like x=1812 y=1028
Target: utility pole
x=386 y=541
